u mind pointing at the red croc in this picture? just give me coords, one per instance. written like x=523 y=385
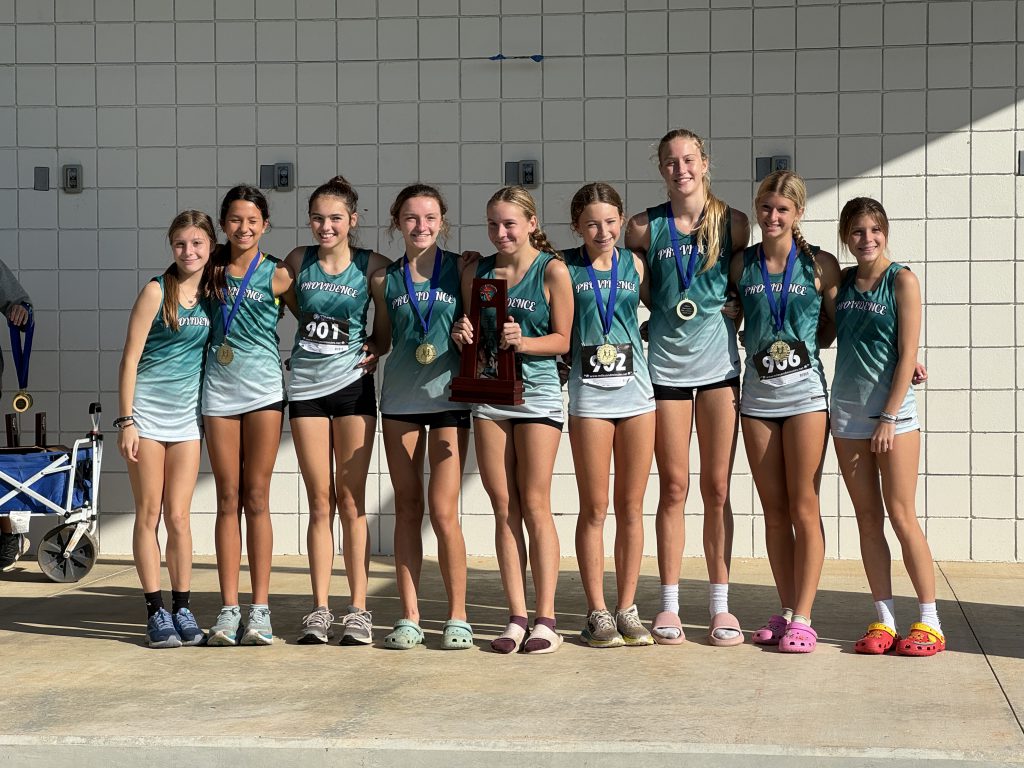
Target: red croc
x=923 y=640
x=880 y=638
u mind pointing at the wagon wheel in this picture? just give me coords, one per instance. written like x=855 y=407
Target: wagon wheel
x=79 y=562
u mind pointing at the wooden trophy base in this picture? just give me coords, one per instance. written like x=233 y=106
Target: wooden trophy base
x=466 y=389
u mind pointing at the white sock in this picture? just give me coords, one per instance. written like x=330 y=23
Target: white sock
x=718 y=602
x=798 y=619
x=670 y=597
x=930 y=615
x=787 y=613
x=886 y=611
x=718 y=598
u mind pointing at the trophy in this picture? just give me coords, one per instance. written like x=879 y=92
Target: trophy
x=487 y=373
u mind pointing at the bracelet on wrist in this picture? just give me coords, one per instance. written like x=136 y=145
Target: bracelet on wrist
x=887 y=418
x=124 y=421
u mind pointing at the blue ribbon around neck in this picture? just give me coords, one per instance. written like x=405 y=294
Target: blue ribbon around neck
x=435 y=278
x=22 y=352
x=685 y=275
x=778 y=311
x=229 y=316
x=605 y=311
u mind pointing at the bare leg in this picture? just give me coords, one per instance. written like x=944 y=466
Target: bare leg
x=312 y=438
x=672 y=448
x=181 y=468
x=535 y=447
x=224 y=445
x=261 y=436
x=447 y=451
x=147 y=481
x=353 y=446
x=404 y=446
x=634 y=451
x=717 y=423
x=591 y=441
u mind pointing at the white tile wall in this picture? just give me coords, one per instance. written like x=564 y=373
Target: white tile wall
x=166 y=103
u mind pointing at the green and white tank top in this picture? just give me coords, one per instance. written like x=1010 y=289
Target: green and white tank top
x=332 y=326
x=527 y=304
x=787 y=395
x=410 y=387
x=621 y=388
x=172 y=357
x=253 y=378
x=703 y=349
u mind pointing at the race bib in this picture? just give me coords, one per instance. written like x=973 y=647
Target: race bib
x=611 y=375
x=322 y=334
x=796 y=366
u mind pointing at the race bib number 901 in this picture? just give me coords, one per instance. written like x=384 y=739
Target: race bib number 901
x=794 y=367
x=611 y=375
x=322 y=334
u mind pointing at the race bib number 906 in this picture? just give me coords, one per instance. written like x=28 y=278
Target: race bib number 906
x=612 y=375
x=322 y=334
x=794 y=367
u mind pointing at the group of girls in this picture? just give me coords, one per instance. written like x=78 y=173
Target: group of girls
x=202 y=349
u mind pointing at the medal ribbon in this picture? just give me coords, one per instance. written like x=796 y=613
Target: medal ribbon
x=410 y=289
x=685 y=275
x=778 y=311
x=605 y=312
x=229 y=316
x=21 y=353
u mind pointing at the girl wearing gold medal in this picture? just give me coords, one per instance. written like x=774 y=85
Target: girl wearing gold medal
x=687 y=244
x=243 y=404
x=416 y=299
x=786 y=286
x=332 y=406
x=611 y=411
x=516 y=445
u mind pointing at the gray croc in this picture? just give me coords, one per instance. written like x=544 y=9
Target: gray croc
x=457 y=635
x=406 y=635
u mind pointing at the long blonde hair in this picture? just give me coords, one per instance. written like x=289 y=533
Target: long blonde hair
x=791 y=187
x=709 y=234
x=524 y=200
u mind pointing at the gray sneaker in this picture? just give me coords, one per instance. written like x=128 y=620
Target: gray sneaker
x=257 y=629
x=358 y=627
x=225 y=629
x=600 y=631
x=630 y=627
x=316 y=626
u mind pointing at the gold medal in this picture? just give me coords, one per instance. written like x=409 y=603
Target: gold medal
x=225 y=354
x=426 y=353
x=606 y=354
x=22 y=401
x=686 y=309
x=779 y=351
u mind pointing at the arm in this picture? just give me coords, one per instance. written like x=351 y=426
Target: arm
x=908 y=314
x=828 y=286
x=381 y=336
x=559 y=289
x=645 y=280
x=12 y=297
x=378 y=343
x=284 y=277
x=293 y=263
x=638 y=235
x=462 y=328
x=740 y=227
x=145 y=309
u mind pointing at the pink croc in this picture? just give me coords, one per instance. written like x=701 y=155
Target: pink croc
x=772 y=632
x=799 y=638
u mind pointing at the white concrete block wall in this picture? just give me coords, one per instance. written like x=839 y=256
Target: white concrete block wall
x=166 y=103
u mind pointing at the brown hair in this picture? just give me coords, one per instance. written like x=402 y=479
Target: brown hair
x=419 y=190
x=217 y=282
x=854 y=209
x=596 y=192
x=518 y=196
x=709 y=233
x=791 y=187
x=185 y=220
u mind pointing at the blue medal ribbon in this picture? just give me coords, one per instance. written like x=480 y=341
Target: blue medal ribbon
x=605 y=311
x=22 y=352
x=778 y=311
x=229 y=316
x=685 y=275
x=410 y=289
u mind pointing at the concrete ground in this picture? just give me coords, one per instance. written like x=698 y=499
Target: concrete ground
x=81 y=689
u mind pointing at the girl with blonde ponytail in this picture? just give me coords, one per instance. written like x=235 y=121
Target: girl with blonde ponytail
x=516 y=445
x=785 y=287
x=687 y=243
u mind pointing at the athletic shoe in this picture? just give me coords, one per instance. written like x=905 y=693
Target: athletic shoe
x=187 y=627
x=160 y=631
x=600 y=631
x=257 y=628
x=630 y=627
x=316 y=626
x=225 y=630
x=12 y=547
x=358 y=626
